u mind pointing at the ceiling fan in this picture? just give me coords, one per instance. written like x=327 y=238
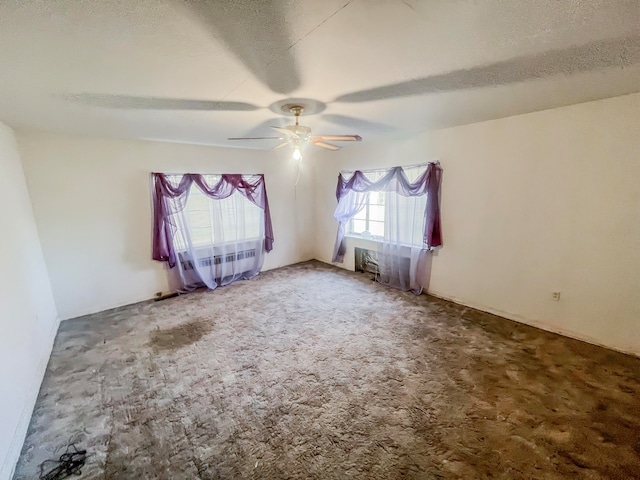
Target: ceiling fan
x=299 y=135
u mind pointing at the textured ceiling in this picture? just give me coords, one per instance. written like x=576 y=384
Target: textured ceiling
x=200 y=72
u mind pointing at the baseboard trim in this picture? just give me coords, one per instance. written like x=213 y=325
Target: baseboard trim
x=518 y=318
x=8 y=466
x=533 y=323
x=102 y=309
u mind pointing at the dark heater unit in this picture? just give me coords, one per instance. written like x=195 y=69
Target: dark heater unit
x=366 y=261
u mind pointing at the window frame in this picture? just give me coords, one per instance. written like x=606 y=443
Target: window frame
x=412 y=172
x=202 y=245
x=367 y=220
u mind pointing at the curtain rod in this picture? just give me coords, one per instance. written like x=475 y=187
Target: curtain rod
x=424 y=164
x=211 y=174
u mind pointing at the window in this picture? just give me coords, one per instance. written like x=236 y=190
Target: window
x=218 y=222
x=370 y=221
x=212 y=236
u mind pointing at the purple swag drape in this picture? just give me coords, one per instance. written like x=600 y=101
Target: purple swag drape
x=401 y=263
x=169 y=199
x=394 y=181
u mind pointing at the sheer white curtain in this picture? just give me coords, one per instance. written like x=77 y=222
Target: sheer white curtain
x=402 y=251
x=217 y=241
x=398 y=208
x=348 y=206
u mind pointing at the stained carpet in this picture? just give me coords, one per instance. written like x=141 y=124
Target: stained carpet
x=310 y=371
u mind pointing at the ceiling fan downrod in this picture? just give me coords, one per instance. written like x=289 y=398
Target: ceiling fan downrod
x=297 y=111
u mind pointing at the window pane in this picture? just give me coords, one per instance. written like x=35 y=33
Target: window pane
x=215 y=222
x=359 y=226
x=376 y=212
x=376 y=228
x=361 y=215
x=200 y=236
x=377 y=198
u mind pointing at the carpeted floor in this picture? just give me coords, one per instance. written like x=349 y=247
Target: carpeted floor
x=310 y=371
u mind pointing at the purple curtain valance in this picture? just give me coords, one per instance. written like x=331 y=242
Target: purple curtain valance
x=251 y=186
x=395 y=180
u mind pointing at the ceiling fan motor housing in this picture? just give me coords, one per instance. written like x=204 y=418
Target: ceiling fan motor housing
x=304 y=133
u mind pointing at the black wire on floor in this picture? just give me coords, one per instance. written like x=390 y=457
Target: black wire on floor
x=69 y=463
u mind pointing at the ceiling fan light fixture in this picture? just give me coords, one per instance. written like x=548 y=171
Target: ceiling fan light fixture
x=297 y=154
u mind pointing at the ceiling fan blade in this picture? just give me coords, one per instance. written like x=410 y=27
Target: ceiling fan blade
x=325 y=145
x=263 y=128
x=156 y=103
x=255 y=138
x=611 y=53
x=267 y=52
x=358 y=124
x=283 y=144
x=339 y=138
x=286 y=132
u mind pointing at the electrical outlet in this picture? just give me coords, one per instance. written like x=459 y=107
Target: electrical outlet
x=555 y=296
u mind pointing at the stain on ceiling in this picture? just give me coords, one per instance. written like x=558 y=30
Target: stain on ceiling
x=202 y=71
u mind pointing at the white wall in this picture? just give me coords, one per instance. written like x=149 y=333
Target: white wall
x=92 y=204
x=28 y=319
x=531 y=204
